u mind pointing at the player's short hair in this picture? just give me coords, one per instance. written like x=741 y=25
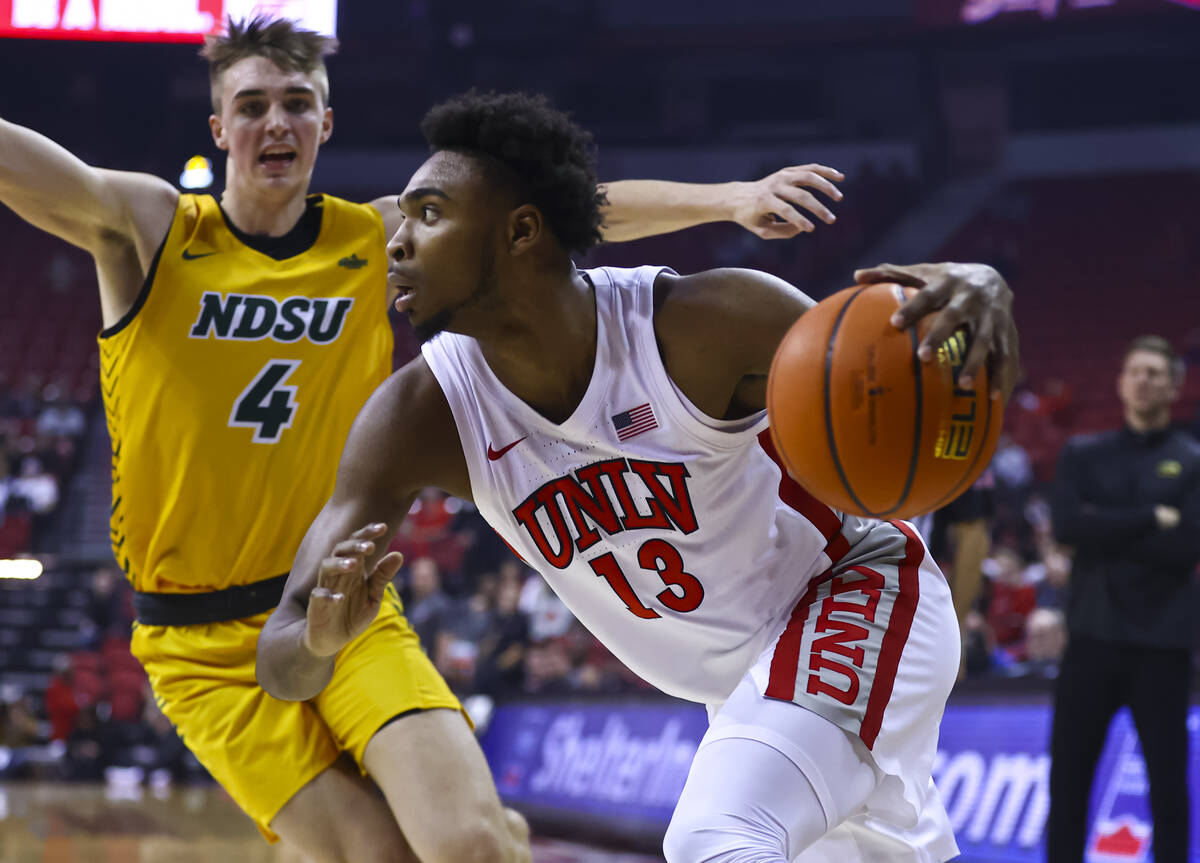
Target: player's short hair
x=289 y=47
x=550 y=160
x=1158 y=345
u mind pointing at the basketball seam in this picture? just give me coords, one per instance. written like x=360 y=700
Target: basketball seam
x=833 y=450
x=919 y=408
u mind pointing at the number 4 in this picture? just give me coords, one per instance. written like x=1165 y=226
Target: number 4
x=266 y=405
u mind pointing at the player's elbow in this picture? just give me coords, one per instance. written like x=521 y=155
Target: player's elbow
x=271 y=668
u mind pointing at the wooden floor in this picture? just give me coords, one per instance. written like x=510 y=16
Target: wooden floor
x=63 y=823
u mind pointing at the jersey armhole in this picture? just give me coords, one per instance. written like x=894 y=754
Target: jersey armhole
x=144 y=293
x=719 y=433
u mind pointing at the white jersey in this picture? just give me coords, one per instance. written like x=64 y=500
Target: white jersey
x=674 y=537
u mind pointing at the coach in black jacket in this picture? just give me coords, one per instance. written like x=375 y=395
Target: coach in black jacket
x=1129 y=502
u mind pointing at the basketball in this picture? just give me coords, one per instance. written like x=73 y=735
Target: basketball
x=865 y=426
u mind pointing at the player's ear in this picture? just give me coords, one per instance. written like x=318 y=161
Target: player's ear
x=525 y=226
x=218 y=132
x=326 y=125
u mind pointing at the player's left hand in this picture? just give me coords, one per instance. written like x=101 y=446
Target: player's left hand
x=973 y=296
x=771 y=207
x=348 y=594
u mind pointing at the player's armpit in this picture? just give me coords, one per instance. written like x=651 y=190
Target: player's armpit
x=52 y=189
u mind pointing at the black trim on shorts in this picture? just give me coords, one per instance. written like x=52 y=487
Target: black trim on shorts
x=143 y=294
x=404 y=713
x=187 y=609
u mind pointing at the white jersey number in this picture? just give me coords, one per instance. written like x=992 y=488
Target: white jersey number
x=266 y=405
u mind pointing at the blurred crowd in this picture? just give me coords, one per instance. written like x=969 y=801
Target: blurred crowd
x=41 y=428
x=97 y=717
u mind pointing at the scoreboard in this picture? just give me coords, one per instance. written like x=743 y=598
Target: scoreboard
x=150 y=20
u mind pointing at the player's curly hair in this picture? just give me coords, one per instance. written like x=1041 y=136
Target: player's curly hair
x=551 y=159
x=289 y=47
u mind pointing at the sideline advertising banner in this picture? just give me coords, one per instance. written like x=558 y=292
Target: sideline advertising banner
x=620 y=767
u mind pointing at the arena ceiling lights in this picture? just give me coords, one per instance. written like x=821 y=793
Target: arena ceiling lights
x=150 y=20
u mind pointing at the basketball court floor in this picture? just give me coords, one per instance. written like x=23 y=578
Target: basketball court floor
x=65 y=823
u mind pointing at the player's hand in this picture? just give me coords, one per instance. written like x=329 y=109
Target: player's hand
x=347 y=597
x=771 y=207
x=973 y=296
x=1166 y=516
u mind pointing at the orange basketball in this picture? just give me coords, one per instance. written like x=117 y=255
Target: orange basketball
x=862 y=423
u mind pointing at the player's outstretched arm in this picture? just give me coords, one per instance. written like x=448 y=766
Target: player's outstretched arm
x=771 y=207
x=115 y=215
x=403 y=440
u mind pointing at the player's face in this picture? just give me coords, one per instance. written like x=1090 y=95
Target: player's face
x=443 y=255
x=271 y=124
x=1146 y=385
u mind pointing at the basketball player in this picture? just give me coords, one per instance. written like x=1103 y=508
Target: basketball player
x=239 y=341
x=610 y=425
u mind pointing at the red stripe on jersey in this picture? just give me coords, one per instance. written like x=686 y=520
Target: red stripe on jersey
x=899 y=626
x=793 y=494
x=785 y=662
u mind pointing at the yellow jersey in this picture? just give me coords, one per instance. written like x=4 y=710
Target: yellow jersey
x=229 y=389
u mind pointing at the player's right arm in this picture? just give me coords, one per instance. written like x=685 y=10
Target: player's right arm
x=118 y=216
x=403 y=440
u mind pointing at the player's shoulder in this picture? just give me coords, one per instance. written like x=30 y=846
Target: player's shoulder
x=1090 y=442
x=738 y=308
x=1186 y=444
x=407 y=424
x=352 y=209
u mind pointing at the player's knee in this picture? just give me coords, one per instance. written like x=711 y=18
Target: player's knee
x=484 y=842
x=518 y=827
x=369 y=850
x=723 y=838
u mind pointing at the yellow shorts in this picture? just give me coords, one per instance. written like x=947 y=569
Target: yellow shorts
x=263 y=750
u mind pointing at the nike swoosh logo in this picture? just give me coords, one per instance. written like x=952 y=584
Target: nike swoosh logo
x=495 y=454
x=188 y=256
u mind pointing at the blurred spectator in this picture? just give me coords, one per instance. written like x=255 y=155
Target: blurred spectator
x=1129 y=502
x=428 y=608
x=60 y=700
x=427 y=532
x=37 y=486
x=1054 y=581
x=106 y=611
x=548 y=668
x=19 y=725
x=59 y=416
x=978 y=645
x=1045 y=641
x=1011 y=465
x=548 y=616
x=91 y=746
x=500 y=670
x=1012 y=600
x=22 y=402
x=963 y=526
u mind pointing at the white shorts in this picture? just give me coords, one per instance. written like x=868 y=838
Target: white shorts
x=872 y=647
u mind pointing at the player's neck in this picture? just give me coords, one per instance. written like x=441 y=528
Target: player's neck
x=548 y=318
x=271 y=215
x=1144 y=423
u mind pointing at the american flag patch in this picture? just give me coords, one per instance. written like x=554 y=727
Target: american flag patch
x=634 y=421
